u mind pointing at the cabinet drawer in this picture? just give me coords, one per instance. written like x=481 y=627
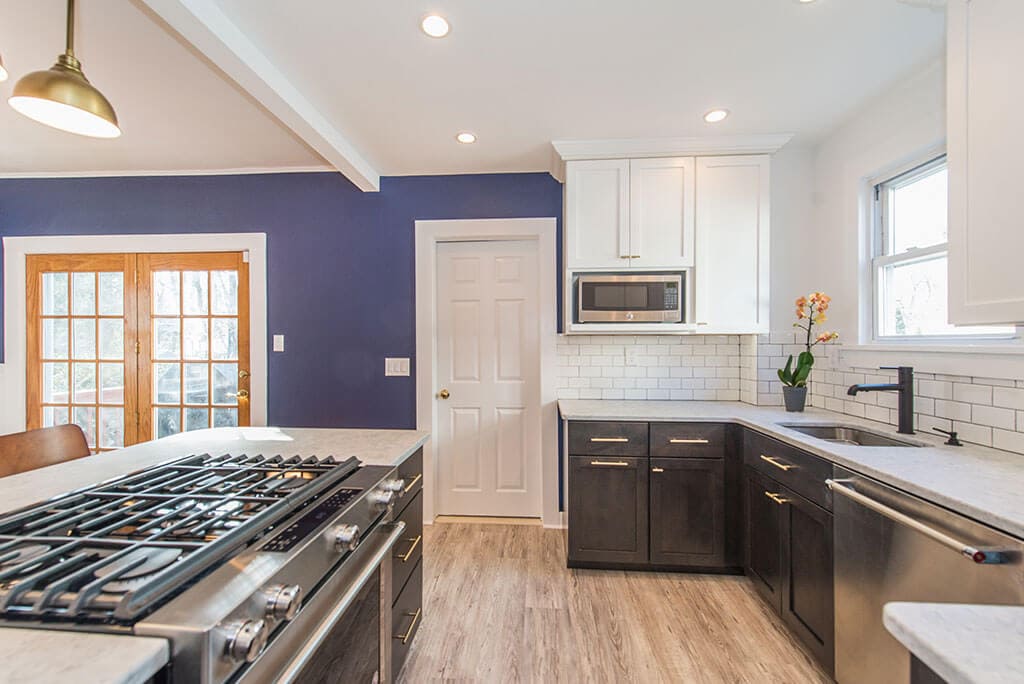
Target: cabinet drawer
x=607 y=439
x=798 y=470
x=688 y=440
x=411 y=471
x=406 y=618
x=409 y=549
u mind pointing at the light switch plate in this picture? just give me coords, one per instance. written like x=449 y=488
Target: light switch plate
x=632 y=356
x=396 y=367
x=279 y=343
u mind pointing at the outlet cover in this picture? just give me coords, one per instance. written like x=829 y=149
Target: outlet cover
x=632 y=356
x=279 y=343
x=396 y=367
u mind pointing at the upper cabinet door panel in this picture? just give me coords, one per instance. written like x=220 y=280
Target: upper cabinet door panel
x=597 y=214
x=985 y=146
x=732 y=244
x=661 y=219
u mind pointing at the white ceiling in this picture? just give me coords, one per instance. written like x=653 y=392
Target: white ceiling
x=518 y=73
x=176 y=111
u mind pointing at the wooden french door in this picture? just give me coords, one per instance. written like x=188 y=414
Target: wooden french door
x=133 y=347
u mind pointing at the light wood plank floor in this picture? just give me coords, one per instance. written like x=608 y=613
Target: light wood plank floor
x=500 y=606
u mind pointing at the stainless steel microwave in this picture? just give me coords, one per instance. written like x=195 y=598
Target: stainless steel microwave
x=630 y=298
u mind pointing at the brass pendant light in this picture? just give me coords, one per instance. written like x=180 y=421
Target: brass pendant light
x=62 y=96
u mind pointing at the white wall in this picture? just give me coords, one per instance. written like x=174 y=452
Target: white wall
x=793 y=227
x=895 y=128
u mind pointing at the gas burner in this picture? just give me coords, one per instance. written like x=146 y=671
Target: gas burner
x=132 y=570
x=21 y=554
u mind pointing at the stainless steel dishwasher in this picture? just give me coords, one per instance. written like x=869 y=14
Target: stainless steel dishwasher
x=891 y=546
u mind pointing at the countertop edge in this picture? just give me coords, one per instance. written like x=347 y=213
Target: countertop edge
x=119 y=659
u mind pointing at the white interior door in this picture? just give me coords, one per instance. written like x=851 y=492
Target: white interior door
x=488 y=372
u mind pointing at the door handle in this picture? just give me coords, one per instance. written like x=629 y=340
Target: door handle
x=444 y=394
x=776 y=498
x=688 y=441
x=657 y=470
x=243 y=374
x=240 y=394
x=619 y=464
x=963 y=548
x=775 y=462
x=612 y=440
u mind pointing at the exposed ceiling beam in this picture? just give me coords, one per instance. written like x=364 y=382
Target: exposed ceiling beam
x=204 y=25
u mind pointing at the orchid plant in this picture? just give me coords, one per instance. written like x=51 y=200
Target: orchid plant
x=810 y=311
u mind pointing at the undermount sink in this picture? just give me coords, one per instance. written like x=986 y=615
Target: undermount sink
x=851 y=436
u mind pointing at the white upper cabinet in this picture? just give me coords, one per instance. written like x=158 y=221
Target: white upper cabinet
x=732 y=278
x=597 y=214
x=624 y=213
x=661 y=216
x=985 y=148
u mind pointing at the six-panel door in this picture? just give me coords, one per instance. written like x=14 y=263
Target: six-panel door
x=687 y=511
x=608 y=509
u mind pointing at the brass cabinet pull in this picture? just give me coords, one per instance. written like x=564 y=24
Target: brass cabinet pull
x=776 y=498
x=412 y=625
x=688 y=441
x=620 y=464
x=613 y=440
x=657 y=470
x=408 y=554
x=775 y=462
x=412 y=484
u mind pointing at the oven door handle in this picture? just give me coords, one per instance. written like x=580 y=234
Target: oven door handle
x=317 y=637
x=992 y=556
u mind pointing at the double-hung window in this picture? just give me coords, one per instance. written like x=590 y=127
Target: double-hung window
x=910 y=263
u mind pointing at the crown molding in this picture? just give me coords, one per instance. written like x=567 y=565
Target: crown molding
x=243 y=171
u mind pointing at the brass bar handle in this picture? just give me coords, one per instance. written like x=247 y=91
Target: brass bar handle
x=612 y=440
x=657 y=470
x=688 y=441
x=412 y=484
x=775 y=462
x=620 y=464
x=415 y=542
x=634 y=256
x=776 y=498
x=412 y=625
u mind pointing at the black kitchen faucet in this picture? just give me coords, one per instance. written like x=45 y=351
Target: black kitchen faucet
x=905 y=386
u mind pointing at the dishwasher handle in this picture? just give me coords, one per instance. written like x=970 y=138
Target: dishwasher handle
x=987 y=556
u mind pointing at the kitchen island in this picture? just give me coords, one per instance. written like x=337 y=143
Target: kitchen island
x=36 y=655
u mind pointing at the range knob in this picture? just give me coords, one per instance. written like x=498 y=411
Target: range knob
x=395 y=485
x=245 y=639
x=345 y=537
x=282 y=601
x=381 y=499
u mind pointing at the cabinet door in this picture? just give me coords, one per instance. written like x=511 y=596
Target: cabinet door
x=985 y=96
x=607 y=509
x=807 y=596
x=764 y=520
x=597 y=214
x=688 y=511
x=661 y=218
x=731 y=288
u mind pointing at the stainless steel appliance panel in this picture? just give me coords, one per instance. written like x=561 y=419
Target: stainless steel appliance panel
x=631 y=298
x=891 y=546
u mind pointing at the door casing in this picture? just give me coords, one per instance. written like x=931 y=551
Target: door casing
x=428 y=235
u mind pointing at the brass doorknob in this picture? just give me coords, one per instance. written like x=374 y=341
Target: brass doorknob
x=444 y=394
x=241 y=394
x=243 y=374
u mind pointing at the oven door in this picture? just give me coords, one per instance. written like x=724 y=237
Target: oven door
x=652 y=298
x=342 y=633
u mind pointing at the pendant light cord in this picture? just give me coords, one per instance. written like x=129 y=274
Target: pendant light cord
x=71 y=28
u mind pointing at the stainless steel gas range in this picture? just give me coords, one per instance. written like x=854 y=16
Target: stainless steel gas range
x=254 y=568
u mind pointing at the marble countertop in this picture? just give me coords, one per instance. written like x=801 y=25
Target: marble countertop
x=37 y=655
x=981 y=483
x=34 y=655
x=372 y=447
x=963 y=644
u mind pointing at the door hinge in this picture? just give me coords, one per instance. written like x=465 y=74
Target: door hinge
x=138 y=347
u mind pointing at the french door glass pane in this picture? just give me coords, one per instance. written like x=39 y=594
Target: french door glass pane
x=55 y=415
x=197 y=383
x=55 y=338
x=111 y=338
x=85 y=418
x=225 y=338
x=55 y=383
x=111 y=295
x=167 y=421
x=196 y=339
x=194 y=293
x=224 y=297
x=112 y=383
x=83 y=294
x=55 y=294
x=85 y=383
x=224 y=417
x=166 y=383
x=111 y=427
x=84 y=333
x=166 y=293
x=167 y=338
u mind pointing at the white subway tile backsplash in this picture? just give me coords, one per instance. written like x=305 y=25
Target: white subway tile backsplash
x=972 y=394
x=994 y=417
x=1008 y=398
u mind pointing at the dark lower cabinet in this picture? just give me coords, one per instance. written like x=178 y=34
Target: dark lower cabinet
x=789 y=559
x=807 y=594
x=607 y=510
x=407 y=565
x=764 y=537
x=687 y=511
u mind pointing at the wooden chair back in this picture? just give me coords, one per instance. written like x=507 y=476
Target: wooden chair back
x=24 y=451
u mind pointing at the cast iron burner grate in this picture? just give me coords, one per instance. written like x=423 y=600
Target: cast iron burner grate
x=114 y=551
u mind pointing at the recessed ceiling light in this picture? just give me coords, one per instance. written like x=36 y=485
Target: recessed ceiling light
x=466 y=138
x=805 y=1
x=716 y=115
x=435 y=26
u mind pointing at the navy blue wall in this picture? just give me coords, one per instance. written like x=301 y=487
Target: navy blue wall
x=340 y=264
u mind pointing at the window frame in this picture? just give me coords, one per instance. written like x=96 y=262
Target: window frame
x=882 y=213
